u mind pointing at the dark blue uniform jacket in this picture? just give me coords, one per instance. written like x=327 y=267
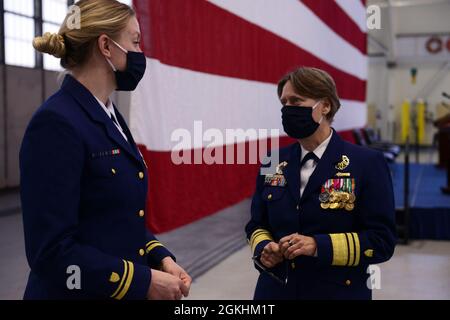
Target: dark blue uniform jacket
x=348 y=241
x=83 y=191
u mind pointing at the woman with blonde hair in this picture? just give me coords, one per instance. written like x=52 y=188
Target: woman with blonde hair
x=83 y=180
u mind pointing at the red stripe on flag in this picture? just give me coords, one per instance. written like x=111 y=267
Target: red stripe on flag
x=200 y=36
x=336 y=18
x=181 y=194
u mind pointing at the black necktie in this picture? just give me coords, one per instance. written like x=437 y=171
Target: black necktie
x=309 y=156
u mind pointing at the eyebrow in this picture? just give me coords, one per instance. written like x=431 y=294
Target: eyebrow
x=292 y=97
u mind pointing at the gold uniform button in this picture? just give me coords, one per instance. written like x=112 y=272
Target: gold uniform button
x=141 y=252
x=348 y=282
x=141 y=175
x=269 y=197
x=113 y=171
x=141 y=213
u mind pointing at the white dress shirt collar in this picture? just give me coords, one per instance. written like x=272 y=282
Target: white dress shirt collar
x=320 y=150
x=109 y=109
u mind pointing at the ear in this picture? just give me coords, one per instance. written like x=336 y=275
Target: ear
x=103 y=46
x=326 y=107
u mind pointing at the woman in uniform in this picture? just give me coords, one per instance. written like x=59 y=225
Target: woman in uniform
x=83 y=180
x=327 y=211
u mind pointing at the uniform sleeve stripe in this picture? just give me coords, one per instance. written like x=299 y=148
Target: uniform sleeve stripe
x=258 y=238
x=258 y=241
x=151 y=242
x=259 y=235
x=124 y=291
x=348 y=248
x=258 y=232
x=357 y=248
x=255 y=235
x=124 y=275
x=351 y=246
x=340 y=249
x=153 y=246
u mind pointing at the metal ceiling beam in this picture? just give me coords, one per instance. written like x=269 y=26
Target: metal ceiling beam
x=392 y=52
x=378 y=46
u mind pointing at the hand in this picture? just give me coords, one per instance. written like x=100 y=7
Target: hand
x=165 y=286
x=296 y=245
x=271 y=255
x=171 y=267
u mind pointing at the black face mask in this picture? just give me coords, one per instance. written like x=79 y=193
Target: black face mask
x=129 y=79
x=298 y=122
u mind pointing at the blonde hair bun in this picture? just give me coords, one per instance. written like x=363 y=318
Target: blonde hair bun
x=51 y=43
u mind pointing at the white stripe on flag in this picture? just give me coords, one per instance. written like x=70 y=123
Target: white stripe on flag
x=295 y=22
x=169 y=98
x=356 y=11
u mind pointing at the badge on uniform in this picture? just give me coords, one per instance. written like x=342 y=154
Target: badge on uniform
x=343 y=163
x=113 y=152
x=277 y=179
x=338 y=194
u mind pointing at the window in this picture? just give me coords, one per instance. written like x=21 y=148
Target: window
x=54 y=11
x=53 y=14
x=24 y=7
x=20 y=23
x=19 y=32
x=50 y=62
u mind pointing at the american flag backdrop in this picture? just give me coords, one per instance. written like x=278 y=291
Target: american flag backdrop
x=218 y=62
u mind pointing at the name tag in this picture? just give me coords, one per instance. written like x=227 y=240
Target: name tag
x=107 y=153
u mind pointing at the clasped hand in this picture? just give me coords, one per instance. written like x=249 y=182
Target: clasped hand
x=288 y=247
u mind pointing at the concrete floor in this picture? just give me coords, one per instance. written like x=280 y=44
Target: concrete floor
x=13 y=264
x=420 y=270
x=190 y=244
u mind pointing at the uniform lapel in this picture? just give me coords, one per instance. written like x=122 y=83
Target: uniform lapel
x=326 y=166
x=115 y=135
x=293 y=172
x=90 y=105
x=127 y=131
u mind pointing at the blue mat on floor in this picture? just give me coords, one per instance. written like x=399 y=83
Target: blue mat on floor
x=429 y=207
